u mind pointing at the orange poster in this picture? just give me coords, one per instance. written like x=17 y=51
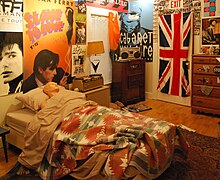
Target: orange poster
x=48 y=25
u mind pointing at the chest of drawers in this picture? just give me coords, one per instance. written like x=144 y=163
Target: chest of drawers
x=128 y=81
x=206 y=84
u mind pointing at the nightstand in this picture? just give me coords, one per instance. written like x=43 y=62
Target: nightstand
x=100 y=95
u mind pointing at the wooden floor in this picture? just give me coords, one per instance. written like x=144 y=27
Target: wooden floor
x=177 y=114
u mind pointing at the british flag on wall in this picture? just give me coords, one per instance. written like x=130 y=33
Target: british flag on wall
x=174 y=33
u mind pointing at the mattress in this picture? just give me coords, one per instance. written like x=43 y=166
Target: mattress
x=19 y=119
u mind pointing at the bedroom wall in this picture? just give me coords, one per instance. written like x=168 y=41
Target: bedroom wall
x=150 y=80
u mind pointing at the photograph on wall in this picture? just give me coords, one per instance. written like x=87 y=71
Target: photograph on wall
x=209 y=49
x=81 y=4
x=78 y=60
x=80 y=33
x=209 y=30
x=137 y=28
x=11 y=47
x=49 y=32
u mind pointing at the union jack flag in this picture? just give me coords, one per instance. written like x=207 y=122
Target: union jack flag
x=174 y=33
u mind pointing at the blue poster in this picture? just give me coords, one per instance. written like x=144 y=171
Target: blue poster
x=137 y=28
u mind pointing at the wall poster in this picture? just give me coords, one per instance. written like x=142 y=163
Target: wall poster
x=114 y=5
x=137 y=28
x=11 y=46
x=49 y=28
x=208 y=27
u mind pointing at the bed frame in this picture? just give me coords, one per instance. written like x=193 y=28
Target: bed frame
x=11 y=104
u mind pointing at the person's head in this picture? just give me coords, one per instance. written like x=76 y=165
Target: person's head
x=51 y=88
x=45 y=65
x=11 y=56
x=212 y=22
x=131 y=21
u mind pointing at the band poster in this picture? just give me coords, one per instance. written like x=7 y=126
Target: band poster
x=11 y=74
x=137 y=28
x=49 y=25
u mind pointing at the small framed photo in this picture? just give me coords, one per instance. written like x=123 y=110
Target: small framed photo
x=208 y=29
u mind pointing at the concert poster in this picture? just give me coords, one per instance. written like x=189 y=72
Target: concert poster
x=11 y=14
x=49 y=25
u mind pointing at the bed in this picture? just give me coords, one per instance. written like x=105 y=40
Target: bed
x=93 y=141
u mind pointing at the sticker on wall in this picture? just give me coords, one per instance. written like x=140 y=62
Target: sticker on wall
x=175 y=4
x=209 y=8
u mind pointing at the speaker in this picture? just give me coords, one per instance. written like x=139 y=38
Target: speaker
x=130 y=53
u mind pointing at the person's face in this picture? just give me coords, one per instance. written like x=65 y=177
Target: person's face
x=48 y=74
x=213 y=23
x=12 y=62
x=131 y=21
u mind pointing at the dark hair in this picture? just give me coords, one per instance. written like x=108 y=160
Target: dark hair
x=211 y=20
x=44 y=59
x=11 y=38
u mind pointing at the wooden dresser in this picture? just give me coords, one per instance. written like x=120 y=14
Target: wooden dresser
x=206 y=84
x=128 y=81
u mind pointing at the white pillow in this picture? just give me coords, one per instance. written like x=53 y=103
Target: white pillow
x=33 y=98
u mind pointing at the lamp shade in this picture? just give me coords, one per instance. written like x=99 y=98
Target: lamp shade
x=217 y=28
x=96 y=47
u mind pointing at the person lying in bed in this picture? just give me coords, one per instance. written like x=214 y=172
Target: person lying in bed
x=40 y=129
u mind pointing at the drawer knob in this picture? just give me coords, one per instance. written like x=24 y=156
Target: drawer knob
x=199 y=101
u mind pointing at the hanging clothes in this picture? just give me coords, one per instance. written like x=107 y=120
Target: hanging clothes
x=114 y=34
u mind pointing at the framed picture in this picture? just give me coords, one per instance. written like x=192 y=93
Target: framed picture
x=78 y=59
x=208 y=28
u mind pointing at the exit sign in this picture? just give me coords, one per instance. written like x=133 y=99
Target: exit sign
x=176 y=4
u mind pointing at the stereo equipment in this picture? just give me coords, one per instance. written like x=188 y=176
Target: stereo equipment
x=130 y=53
x=87 y=83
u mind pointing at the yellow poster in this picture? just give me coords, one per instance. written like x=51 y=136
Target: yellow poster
x=48 y=26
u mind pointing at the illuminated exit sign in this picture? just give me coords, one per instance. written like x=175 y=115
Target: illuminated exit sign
x=176 y=4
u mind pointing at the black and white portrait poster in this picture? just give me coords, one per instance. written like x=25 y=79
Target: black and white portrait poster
x=11 y=46
x=137 y=28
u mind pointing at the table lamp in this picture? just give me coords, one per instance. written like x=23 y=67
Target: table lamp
x=217 y=34
x=94 y=48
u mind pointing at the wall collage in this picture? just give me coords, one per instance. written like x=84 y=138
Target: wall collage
x=201 y=18
x=60 y=29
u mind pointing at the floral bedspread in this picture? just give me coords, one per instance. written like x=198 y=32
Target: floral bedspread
x=117 y=139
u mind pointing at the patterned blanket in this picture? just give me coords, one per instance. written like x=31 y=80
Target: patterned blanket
x=96 y=140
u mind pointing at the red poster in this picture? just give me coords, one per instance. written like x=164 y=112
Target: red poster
x=115 y=5
x=48 y=25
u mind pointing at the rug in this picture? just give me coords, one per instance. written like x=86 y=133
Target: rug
x=203 y=161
